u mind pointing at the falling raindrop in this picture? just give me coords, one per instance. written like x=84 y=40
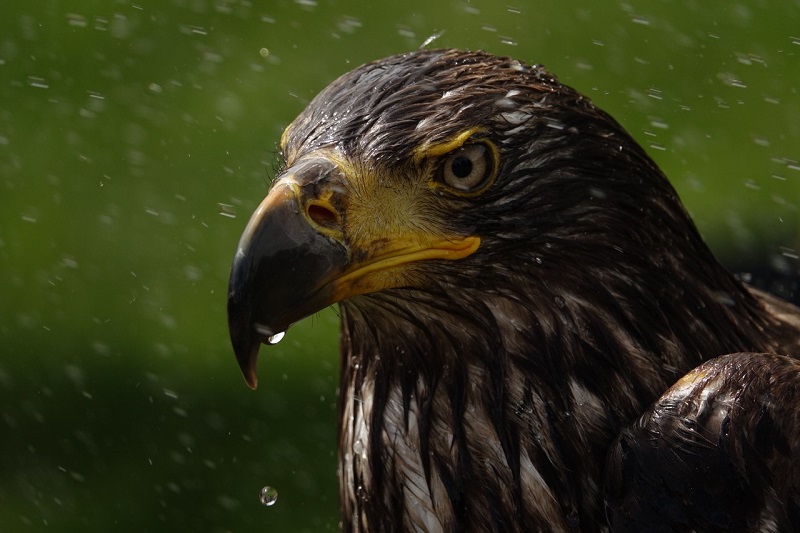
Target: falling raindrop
x=268 y=496
x=275 y=339
x=430 y=39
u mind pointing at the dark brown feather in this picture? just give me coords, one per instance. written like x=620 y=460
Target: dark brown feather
x=719 y=451
x=486 y=397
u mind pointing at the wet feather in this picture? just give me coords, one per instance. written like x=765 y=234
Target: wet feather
x=486 y=396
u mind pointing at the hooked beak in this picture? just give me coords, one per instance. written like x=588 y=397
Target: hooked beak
x=295 y=256
x=278 y=275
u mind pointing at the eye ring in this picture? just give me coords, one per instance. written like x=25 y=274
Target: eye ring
x=468 y=169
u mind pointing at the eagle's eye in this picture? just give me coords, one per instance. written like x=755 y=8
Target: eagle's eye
x=468 y=169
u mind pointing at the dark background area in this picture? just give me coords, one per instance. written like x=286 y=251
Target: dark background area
x=137 y=138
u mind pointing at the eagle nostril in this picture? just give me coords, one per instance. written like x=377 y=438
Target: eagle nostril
x=323 y=216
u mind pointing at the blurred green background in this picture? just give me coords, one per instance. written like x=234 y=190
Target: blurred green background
x=137 y=138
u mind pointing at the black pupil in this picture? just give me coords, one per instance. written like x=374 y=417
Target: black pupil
x=461 y=167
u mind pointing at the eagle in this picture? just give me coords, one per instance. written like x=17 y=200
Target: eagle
x=523 y=300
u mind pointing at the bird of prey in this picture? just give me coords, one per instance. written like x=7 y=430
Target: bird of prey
x=518 y=284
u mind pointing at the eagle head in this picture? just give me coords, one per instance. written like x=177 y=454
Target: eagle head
x=444 y=168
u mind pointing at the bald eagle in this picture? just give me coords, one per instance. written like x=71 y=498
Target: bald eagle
x=518 y=284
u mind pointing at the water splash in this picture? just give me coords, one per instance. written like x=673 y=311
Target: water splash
x=268 y=496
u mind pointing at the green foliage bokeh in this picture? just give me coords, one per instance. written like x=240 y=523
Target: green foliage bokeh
x=137 y=138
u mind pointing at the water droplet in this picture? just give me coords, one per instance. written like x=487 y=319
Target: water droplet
x=275 y=339
x=268 y=496
x=432 y=38
x=358 y=447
